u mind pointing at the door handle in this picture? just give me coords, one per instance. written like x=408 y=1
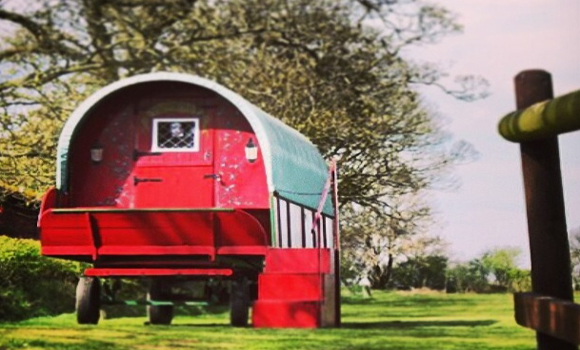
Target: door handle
x=137 y=180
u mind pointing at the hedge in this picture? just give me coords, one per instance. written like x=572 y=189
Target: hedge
x=32 y=285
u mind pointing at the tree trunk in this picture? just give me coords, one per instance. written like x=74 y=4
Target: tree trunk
x=382 y=277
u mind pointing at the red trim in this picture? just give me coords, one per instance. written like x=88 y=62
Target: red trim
x=257 y=222
x=47 y=202
x=153 y=250
x=139 y=210
x=156 y=250
x=336 y=222
x=67 y=250
x=93 y=234
x=96 y=272
x=248 y=250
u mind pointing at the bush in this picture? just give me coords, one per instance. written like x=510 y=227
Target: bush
x=421 y=272
x=32 y=285
x=521 y=280
x=468 y=277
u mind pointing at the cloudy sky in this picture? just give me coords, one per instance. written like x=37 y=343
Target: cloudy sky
x=500 y=39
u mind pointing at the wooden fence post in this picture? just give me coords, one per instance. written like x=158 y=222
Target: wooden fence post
x=549 y=248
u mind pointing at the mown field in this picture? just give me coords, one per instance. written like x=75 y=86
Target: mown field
x=387 y=321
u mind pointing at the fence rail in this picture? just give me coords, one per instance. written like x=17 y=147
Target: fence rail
x=553 y=316
x=539 y=120
x=543 y=119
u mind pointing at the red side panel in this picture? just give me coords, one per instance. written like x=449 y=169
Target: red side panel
x=243 y=183
x=308 y=260
x=121 y=234
x=118 y=232
x=106 y=183
x=241 y=229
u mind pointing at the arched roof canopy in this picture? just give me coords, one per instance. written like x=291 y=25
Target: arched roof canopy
x=294 y=166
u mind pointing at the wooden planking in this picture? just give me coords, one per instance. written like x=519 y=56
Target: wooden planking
x=302 y=261
x=329 y=231
x=146 y=233
x=308 y=219
x=555 y=317
x=290 y=286
x=295 y=225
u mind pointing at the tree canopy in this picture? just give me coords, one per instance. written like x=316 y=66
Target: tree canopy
x=331 y=69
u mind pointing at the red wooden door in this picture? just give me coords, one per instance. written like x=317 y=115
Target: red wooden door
x=174 y=162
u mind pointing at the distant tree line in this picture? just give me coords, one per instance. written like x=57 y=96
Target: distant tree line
x=404 y=260
x=495 y=270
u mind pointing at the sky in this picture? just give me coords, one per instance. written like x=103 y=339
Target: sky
x=500 y=39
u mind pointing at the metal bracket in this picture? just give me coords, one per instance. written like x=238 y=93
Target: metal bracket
x=138 y=154
x=213 y=176
x=137 y=180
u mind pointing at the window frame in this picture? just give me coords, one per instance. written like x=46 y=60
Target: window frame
x=154 y=133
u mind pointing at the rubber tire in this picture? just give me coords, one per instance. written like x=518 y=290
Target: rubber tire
x=239 y=302
x=88 y=300
x=159 y=315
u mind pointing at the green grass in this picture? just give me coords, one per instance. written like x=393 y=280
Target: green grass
x=401 y=321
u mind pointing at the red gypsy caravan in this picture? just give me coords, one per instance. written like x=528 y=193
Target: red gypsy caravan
x=172 y=177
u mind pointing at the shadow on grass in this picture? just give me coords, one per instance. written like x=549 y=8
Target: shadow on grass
x=197 y=325
x=372 y=325
x=45 y=344
x=411 y=301
x=416 y=324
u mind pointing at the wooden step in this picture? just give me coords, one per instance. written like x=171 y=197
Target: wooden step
x=310 y=260
x=286 y=314
x=284 y=286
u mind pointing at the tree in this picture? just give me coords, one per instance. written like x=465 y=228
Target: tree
x=467 y=277
x=575 y=256
x=423 y=272
x=331 y=69
x=373 y=243
x=495 y=270
x=501 y=263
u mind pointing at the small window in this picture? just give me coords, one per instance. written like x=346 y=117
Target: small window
x=176 y=135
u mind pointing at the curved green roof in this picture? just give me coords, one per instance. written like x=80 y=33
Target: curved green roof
x=294 y=166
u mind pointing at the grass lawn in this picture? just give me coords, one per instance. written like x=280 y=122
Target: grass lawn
x=387 y=321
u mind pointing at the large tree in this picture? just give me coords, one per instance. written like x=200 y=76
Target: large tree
x=574 y=237
x=330 y=68
x=376 y=245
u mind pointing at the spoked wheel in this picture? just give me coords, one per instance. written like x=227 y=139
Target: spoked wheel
x=88 y=300
x=239 y=302
x=159 y=314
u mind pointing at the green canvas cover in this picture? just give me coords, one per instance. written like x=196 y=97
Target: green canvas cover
x=294 y=167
